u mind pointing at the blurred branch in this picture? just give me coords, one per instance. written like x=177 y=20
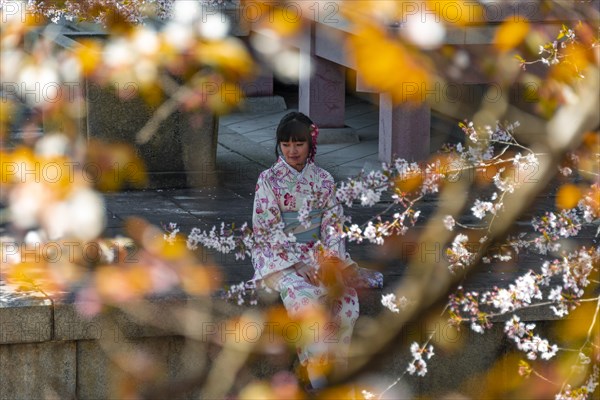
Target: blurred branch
x=229 y=362
x=178 y=94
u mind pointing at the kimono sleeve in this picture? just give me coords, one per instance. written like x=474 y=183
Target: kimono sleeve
x=332 y=224
x=272 y=250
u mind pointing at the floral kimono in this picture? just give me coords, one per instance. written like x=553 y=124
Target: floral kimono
x=282 y=191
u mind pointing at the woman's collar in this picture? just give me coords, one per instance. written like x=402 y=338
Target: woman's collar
x=292 y=169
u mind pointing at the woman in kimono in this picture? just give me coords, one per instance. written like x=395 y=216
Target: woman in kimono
x=292 y=246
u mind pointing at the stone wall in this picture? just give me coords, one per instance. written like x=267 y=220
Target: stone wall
x=47 y=349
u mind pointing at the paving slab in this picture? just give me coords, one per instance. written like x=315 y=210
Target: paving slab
x=365 y=121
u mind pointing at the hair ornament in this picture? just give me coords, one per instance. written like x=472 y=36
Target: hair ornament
x=314 y=134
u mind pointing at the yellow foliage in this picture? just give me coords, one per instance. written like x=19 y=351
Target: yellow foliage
x=388 y=66
x=574 y=330
x=409 y=183
x=509 y=378
x=592 y=141
x=33 y=273
x=576 y=59
x=111 y=166
x=510 y=34
x=89 y=55
x=458 y=12
x=228 y=56
x=6 y=111
x=568 y=196
x=372 y=10
x=342 y=392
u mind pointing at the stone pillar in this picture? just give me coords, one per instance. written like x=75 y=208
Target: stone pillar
x=404 y=130
x=183 y=150
x=322 y=87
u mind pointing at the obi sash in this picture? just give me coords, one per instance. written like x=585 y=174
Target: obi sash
x=303 y=234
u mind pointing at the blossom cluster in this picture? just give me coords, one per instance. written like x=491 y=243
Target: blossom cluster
x=392 y=303
x=526 y=341
x=420 y=354
x=377 y=232
x=467 y=302
x=242 y=293
x=559 y=50
x=172 y=231
x=554 y=226
x=99 y=10
x=310 y=203
x=366 y=188
x=573 y=270
x=459 y=255
x=550 y=53
x=228 y=239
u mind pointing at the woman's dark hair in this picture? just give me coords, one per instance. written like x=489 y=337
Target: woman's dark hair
x=295 y=126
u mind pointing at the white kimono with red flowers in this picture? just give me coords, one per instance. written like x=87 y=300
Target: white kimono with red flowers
x=282 y=189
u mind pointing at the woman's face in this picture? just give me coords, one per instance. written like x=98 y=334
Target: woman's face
x=295 y=153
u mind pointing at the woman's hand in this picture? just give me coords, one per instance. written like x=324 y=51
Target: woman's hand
x=307 y=272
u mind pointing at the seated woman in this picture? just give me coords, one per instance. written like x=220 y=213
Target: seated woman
x=289 y=256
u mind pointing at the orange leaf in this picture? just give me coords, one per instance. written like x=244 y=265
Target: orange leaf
x=568 y=196
x=510 y=34
x=409 y=182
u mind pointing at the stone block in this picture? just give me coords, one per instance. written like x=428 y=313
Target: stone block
x=262 y=104
x=338 y=135
x=184 y=142
x=480 y=35
x=156 y=368
x=260 y=86
x=37 y=371
x=25 y=323
x=455 y=36
x=145 y=318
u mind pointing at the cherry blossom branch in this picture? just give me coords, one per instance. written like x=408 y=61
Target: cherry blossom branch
x=425 y=293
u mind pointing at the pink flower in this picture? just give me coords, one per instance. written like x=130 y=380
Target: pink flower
x=289 y=200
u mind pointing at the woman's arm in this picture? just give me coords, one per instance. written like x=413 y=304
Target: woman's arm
x=332 y=224
x=273 y=251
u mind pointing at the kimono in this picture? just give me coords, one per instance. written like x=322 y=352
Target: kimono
x=281 y=190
